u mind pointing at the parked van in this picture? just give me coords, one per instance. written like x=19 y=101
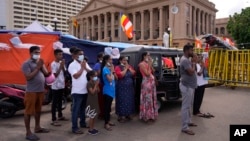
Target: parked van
x=167 y=73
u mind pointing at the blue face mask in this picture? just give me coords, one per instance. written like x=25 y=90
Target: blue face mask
x=80 y=58
x=95 y=78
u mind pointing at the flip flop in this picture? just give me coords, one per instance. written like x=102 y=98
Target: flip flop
x=32 y=137
x=111 y=124
x=192 y=124
x=107 y=127
x=63 y=119
x=203 y=115
x=210 y=115
x=54 y=123
x=188 y=131
x=42 y=130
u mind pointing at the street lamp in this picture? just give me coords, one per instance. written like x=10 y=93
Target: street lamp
x=169 y=32
x=55 y=21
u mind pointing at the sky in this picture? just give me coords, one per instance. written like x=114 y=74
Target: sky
x=229 y=7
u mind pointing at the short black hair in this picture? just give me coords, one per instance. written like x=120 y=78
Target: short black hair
x=86 y=58
x=72 y=49
x=76 y=51
x=90 y=74
x=33 y=48
x=100 y=55
x=56 y=51
x=187 y=47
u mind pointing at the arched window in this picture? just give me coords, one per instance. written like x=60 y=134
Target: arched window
x=222 y=30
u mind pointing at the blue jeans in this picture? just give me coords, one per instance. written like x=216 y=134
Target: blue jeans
x=78 y=110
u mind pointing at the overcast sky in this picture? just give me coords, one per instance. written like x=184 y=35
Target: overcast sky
x=229 y=7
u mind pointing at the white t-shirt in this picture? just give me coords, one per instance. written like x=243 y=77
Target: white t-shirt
x=59 y=82
x=200 y=79
x=79 y=85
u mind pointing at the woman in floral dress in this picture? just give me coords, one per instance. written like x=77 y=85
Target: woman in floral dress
x=148 y=99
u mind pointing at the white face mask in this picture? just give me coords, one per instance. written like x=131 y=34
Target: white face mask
x=35 y=56
x=146 y=59
x=95 y=78
x=108 y=64
x=80 y=58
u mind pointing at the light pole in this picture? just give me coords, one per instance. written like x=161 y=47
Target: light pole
x=55 y=21
x=169 y=33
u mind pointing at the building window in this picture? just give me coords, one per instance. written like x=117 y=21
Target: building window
x=187 y=10
x=116 y=33
x=216 y=31
x=222 y=30
x=187 y=30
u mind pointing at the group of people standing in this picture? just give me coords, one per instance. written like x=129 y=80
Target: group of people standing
x=95 y=88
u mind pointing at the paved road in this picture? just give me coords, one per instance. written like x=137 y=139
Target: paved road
x=228 y=106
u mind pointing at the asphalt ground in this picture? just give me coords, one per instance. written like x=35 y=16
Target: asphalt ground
x=229 y=107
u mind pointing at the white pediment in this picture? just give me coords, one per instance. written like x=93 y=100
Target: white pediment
x=95 y=4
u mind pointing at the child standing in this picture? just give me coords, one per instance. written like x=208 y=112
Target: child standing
x=92 y=101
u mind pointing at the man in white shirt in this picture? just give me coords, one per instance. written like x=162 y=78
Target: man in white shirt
x=78 y=70
x=58 y=69
x=199 y=91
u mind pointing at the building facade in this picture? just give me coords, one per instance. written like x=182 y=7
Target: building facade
x=21 y=13
x=100 y=20
x=221 y=27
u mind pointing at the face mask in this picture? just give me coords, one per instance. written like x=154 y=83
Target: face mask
x=35 y=56
x=100 y=61
x=81 y=58
x=146 y=59
x=95 y=78
x=108 y=64
x=122 y=64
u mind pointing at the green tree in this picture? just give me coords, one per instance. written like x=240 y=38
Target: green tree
x=239 y=26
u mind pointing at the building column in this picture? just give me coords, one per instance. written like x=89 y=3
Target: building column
x=112 y=25
x=92 y=27
x=204 y=22
x=209 y=23
x=194 y=22
x=198 y=23
x=161 y=23
x=105 y=26
x=99 y=27
x=81 y=26
x=151 y=24
x=134 y=25
x=87 y=27
x=142 y=25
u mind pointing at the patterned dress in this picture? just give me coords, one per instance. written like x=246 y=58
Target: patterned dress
x=125 y=98
x=148 y=99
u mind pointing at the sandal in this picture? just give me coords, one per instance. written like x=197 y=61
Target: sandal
x=111 y=124
x=42 y=130
x=192 y=124
x=203 y=115
x=107 y=127
x=54 y=123
x=210 y=115
x=77 y=132
x=188 y=131
x=122 y=120
x=63 y=119
x=32 y=137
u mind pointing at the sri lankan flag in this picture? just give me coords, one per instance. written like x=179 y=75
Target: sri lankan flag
x=75 y=23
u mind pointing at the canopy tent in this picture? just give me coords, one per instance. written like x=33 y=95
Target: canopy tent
x=12 y=58
x=37 y=26
x=119 y=45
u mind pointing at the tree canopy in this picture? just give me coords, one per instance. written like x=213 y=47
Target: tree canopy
x=239 y=26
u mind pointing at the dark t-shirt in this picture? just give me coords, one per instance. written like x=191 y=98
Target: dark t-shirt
x=36 y=84
x=187 y=79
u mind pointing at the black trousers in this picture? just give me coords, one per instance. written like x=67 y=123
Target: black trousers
x=107 y=107
x=198 y=97
x=56 y=103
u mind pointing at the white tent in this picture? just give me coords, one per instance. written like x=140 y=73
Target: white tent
x=37 y=27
